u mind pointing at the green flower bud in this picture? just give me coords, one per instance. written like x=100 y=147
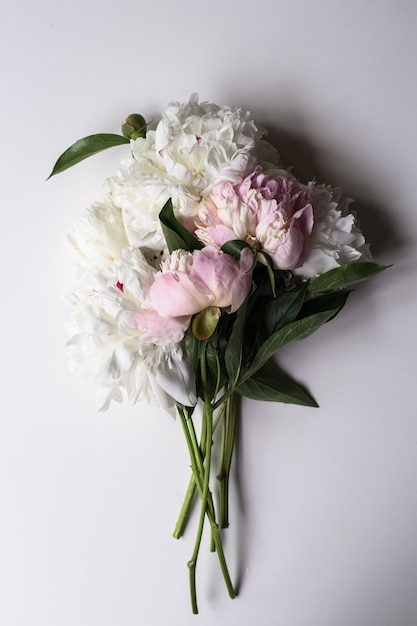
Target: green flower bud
x=134 y=126
x=205 y=322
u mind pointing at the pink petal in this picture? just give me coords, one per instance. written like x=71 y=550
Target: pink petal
x=218 y=235
x=160 y=330
x=289 y=252
x=175 y=294
x=304 y=219
x=223 y=276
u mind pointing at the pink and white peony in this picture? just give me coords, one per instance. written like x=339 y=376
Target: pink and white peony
x=189 y=283
x=194 y=146
x=274 y=215
x=107 y=348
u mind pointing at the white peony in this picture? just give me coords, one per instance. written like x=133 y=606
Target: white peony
x=98 y=239
x=140 y=190
x=106 y=348
x=336 y=239
x=202 y=144
x=194 y=146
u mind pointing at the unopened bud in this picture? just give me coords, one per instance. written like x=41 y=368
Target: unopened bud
x=205 y=323
x=134 y=126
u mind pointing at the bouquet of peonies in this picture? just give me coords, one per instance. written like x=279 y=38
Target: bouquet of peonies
x=205 y=258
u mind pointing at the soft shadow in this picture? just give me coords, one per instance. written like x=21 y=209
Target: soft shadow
x=239 y=484
x=376 y=219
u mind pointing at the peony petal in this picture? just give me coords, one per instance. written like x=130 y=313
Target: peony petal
x=223 y=276
x=177 y=294
x=160 y=330
x=216 y=235
x=288 y=254
x=176 y=376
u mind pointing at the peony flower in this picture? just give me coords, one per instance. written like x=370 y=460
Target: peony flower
x=106 y=347
x=336 y=239
x=194 y=146
x=140 y=189
x=201 y=144
x=98 y=239
x=189 y=283
x=274 y=215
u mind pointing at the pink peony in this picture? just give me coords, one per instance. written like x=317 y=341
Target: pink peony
x=189 y=283
x=272 y=214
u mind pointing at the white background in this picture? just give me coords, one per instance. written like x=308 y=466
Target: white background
x=324 y=512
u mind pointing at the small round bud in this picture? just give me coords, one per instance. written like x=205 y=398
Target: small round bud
x=205 y=323
x=134 y=126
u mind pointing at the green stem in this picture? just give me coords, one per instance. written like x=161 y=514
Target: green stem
x=189 y=496
x=228 y=439
x=198 y=455
x=200 y=463
x=192 y=564
x=225 y=396
x=221 y=475
x=185 y=509
x=201 y=450
x=195 y=465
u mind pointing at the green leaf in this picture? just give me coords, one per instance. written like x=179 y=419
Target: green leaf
x=234 y=349
x=333 y=300
x=271 y=271
x=84 y=148
x=234 y=247
x=282 y=310
x=176 y=235
x=275 y=386
x=193 y=348
x=291 y=332
x=345 y=275
x=215 y=372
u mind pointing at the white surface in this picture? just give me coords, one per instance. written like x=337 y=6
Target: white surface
x=324 y=531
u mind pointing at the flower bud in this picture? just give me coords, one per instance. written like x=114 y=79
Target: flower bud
x=134 y=126
x=205 y=323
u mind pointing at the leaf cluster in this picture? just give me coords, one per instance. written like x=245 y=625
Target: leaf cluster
x=278 y=311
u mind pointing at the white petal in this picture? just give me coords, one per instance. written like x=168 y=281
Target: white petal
x=176 y=377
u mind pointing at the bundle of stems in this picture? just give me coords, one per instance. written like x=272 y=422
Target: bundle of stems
x=221 y=413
